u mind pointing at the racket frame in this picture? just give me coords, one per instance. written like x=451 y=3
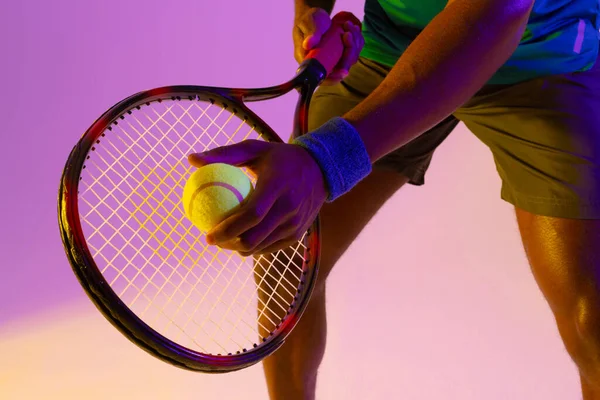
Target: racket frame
x=309 y=75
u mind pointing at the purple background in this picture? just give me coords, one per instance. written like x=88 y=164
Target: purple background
x=434 y=300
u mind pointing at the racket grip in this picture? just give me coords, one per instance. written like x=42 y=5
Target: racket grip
x=331 y=47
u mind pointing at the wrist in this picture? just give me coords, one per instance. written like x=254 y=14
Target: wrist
x=340 y=153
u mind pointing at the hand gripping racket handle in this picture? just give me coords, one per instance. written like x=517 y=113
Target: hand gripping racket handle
x=331 y=47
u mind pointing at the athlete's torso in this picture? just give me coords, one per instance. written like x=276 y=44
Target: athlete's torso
x=561 y=35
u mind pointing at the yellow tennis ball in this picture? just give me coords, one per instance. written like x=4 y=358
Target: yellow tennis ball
x=213 y=192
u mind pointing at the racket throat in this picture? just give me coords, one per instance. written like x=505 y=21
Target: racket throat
x=310 y=73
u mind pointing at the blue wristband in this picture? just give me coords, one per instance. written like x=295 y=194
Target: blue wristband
x=340 y=152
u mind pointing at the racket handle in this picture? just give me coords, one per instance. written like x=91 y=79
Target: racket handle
x=331 y=47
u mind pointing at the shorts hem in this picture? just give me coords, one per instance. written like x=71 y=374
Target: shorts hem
x=552 y=206
x=415 y=174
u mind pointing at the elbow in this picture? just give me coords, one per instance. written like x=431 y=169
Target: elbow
x=504 y=18
x=516 y=15
x=494 y=14
x=516 y=10
x=523 y=6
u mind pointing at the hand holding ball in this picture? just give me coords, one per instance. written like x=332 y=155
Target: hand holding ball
x=214 y=192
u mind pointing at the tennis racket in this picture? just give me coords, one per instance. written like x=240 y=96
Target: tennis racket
x=141 y=261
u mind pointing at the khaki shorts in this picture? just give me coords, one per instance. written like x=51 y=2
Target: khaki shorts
x=544 y=135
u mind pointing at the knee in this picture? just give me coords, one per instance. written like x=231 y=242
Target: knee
x=587 y=323
x=585 y=346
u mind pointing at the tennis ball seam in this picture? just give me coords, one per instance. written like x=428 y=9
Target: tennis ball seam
x=206 y=185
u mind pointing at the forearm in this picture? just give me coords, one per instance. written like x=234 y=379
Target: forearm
x=302 y=5
x=454 y=56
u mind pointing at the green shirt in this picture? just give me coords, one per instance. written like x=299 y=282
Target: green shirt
x=561 y=35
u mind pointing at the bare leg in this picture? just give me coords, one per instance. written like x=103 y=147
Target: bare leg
x=291 y=372
x=563 y=254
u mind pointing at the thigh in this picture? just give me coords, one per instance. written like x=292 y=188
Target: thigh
x=563 y=256
x=545 y=138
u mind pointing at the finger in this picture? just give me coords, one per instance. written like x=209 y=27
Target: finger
x=353 y=42
x=279 y=241
x=348 y=26
x=299 y=52
x=282 y=214
x=313 y=26
x=275 y=246
x=233 y=244
x=350 y=54
x=250 y=214
x=341 y=71
x=285 y=235
x=236 y=154
x=359 y=40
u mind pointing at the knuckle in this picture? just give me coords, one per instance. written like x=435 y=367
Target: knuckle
x=296 y=220
x=245 y=253
x=289 y=203
x=255 y=214
x=304 y=28
x=246 y=244
x=295 y=223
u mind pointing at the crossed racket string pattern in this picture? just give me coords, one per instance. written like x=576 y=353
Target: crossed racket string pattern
x=205 y=298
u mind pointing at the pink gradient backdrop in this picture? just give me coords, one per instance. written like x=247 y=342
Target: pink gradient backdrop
x=434 y=300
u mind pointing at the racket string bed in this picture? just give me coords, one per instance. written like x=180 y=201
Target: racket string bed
x=203 y=297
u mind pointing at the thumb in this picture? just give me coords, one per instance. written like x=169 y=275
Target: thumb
x=313 y=26
x=238 y=154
